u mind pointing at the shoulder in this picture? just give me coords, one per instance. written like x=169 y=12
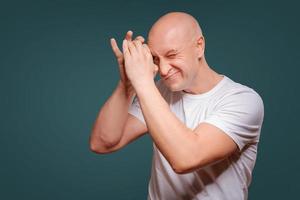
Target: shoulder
x=234 y=92
x=241 y=100
x=239 y=112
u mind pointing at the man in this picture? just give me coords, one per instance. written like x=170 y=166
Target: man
x=205 y=127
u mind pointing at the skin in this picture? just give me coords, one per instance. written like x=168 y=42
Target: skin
x=110 y=135
x=120 y=59
x=185 y=69
x=182 y=69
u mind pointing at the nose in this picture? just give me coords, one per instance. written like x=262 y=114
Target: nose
x=164 y=68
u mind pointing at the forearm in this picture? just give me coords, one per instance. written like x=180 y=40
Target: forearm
x=107 y=129
x=171 y=136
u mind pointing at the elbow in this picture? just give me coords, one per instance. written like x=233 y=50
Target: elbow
x=179 y=166
x=184 y=166
x=100 y=146
x=96 y=148
x=181 y=169
x=100 y=149
x=178 y=170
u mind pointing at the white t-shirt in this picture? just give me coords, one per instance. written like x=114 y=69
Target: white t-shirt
x=236 y=109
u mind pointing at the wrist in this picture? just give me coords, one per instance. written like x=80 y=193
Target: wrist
x=143 y=85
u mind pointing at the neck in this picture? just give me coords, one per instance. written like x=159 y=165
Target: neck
x=204 y=80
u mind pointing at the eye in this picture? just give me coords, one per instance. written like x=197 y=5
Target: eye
x=155 y=59
x=171 y=55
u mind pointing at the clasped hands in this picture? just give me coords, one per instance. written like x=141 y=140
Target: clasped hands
x=136 y=63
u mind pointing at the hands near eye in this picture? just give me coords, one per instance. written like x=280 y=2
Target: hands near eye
x=120 y=58
x=139 y=64
x=135 y=63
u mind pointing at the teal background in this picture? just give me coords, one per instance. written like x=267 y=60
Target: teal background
x=57 y=69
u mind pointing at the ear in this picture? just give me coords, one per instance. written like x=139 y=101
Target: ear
x=200 y=46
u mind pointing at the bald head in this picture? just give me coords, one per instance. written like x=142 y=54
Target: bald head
x=175 y=24
x=177 y=46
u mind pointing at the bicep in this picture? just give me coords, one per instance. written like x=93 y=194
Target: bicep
x=213 y=143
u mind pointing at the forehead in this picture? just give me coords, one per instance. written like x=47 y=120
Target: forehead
x=165 y=43
x=164 y=50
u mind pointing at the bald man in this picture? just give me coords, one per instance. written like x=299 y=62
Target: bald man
x=205 y=127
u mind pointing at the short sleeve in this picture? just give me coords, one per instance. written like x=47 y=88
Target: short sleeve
x=240 y=115
x=135 y=110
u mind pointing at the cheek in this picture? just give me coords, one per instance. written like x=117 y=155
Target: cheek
x=179 y=66
x=183 y=66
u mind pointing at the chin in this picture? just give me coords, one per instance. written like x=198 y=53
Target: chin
x=175 y=84
x=174 y=87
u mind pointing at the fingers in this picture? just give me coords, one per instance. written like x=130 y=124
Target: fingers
x=130 y=45
x=133 y=49
x=147 y=51
x=146 y=48
x=128 y=48
x=129 y=35
x=115 y=48
x=140 y=38
x=138 y=45
x=125 y=48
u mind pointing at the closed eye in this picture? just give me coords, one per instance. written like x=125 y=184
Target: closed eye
x=171 y=55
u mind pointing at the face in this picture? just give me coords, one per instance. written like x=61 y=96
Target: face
x=177 y=60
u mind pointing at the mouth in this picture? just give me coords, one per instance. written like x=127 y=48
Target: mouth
x=171 y=75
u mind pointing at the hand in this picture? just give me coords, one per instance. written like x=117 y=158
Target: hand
x=120 y=58
x=139 y=65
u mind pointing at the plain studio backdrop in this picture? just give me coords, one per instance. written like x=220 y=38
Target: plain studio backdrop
x=57 y=69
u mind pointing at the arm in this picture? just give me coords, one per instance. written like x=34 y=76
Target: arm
x=185 y=149
x=110 y=135
x=114 y=127
x=233 y=125
x=106 y=132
